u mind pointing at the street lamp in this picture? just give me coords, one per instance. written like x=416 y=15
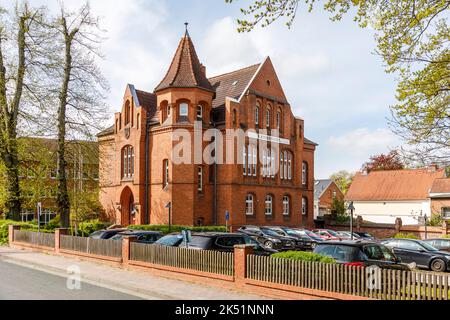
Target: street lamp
x=169 y=206
x=351 y=207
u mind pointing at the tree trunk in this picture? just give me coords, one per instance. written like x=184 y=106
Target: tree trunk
x=11 y=162
x=63 y=196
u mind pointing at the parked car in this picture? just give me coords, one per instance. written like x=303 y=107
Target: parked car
x=347 y=235
x=105 y=234
x=365 y=235
x=327 y=234
x=170 y=240
x=303 y=241
x=421 y=253
x=441 y=244
x=269 y=238
x=225 y=242
x=360 y=253
x=142 y=236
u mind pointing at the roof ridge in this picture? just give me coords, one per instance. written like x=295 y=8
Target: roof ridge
x=238 y=70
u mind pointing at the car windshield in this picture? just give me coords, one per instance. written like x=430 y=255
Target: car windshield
x=333 y=233
x=270 y=232
x=428 y=246
x=294 y=233
x=96 y=235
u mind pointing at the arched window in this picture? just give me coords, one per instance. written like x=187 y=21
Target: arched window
x=165 y=173
x=249 y=205
x=127 y=112
x=282 y=165
x=199 y=112
x=304 y=206
x=286 y=206
x=127 y=162
x=268 y=114
x=304 y=173
x=268 y=205
x=184 y=109
x=278 y=120
x=257 y=114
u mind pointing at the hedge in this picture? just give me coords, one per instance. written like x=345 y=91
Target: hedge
x=303 y=256
x=406 y=236
x=176 y=228
x=29 y=226
x=87 y=227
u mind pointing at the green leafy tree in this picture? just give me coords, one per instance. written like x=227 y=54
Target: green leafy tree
x=413 y=38
x=343 y=179
x=338 y=207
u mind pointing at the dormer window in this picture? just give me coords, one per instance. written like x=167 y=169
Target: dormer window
x=184 y=110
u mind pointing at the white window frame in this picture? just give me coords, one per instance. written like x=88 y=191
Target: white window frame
x=289 y=166
x=304 y=173
x=255 y=160
x=268 y=208
x=257 y=115
x=244 y=161
x=264 y=164
x=199 y=112
x=278 y=120
x=166 y=173
x=304 y=206
x=286 y=206
x=200 y=179
x=249 y=204
x=184 y=107
x=250 y=161
x=281 y=165
x=268 y=115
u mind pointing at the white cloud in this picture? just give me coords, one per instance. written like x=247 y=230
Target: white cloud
x=363 y=142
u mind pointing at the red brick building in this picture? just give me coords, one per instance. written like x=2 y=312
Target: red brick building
x=138 y=177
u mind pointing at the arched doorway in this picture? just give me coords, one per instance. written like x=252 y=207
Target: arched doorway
x=127 y=205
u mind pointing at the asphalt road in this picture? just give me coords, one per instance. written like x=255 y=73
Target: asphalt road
x=21 y=283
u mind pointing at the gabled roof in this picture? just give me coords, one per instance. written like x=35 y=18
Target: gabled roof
x=232 y=84
x=307 y=141
x=320 y=186
x=185 y=71
x=440 y=188
x=396 y=185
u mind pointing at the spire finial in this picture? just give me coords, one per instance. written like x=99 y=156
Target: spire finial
x=186 y=25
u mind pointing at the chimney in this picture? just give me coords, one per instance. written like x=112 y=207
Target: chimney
x=203 y=69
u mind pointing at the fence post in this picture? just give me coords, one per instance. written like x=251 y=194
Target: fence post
x=126 y=248
x=240 y=261
x=445 y=225
x=58 y=233
x=11 y=229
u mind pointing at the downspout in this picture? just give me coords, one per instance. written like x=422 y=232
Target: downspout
x=147 y=171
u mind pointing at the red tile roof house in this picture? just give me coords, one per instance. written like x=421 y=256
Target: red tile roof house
x=384 y=196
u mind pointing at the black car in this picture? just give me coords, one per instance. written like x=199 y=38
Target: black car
x=360 y=253
x=269 y=238
x=302 y=240
x=441 y=244
x=142 y=236
x=170 y=240
x=225 y=242
x=423 y=254
x=105 y=234
x=365 y=235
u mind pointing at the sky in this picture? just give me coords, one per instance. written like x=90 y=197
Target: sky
x=328 y=70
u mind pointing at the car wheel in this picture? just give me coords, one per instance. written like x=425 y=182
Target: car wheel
x=438 y=265
x=268 y=244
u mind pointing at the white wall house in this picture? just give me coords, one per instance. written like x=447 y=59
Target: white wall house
x=384 y=196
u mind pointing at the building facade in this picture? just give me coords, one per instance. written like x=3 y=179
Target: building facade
x=270 y=181
x=410 y=194
x=325 y=192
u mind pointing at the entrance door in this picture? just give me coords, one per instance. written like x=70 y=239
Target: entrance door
x=127 y=205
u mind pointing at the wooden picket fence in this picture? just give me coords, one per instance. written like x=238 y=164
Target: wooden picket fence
x=35 y=238
x=100 y=247
x=384 y=284
x=200 y=260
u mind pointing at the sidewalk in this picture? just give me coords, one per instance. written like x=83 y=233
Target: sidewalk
x=137 y=283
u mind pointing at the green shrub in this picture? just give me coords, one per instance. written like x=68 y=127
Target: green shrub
x=406 y=236
x=303 y=256
x=165 y=228
x=53 y=224
x=87 y=227
x=436 y=220
x=4 y=224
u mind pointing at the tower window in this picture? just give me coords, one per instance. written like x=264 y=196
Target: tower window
x=184 y=110
x=199 y=112
x=165 y=173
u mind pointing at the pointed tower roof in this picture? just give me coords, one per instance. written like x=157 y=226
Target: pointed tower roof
x=185 y=71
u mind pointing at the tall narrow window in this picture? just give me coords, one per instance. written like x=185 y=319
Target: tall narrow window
x=127 y=162
x=127 y=112
x=249 y=205
x=278 y=120
x=289 y=166
x=304 y=173
x=281 y=166
x=184 y=110
x=268 y=118
x=268 y=205
x=286 y=206
x=165 y=173
x=285 y=167
x=199 y=112
x=257 y=115
x=168 y=111
x=255 y=160
x=264 y=164
x=304 y=206
x=200 y=179
x=244 y=163
x=138 y=121
x=250 y=161
x=234 y=116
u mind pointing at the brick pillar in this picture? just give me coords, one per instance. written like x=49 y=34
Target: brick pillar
x=11 y=229
x=58 y=233
x=240 y=261
x=126 y=248
x=445 y=225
